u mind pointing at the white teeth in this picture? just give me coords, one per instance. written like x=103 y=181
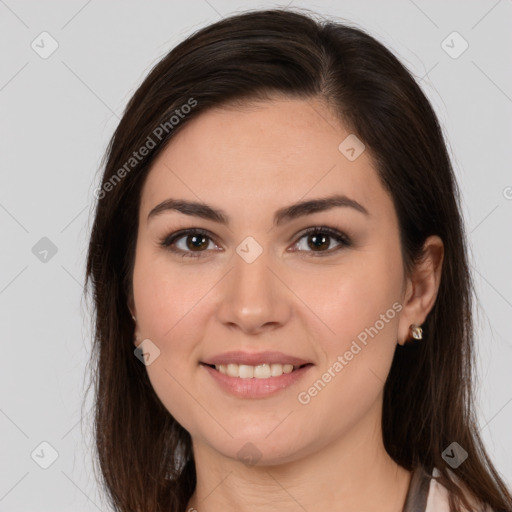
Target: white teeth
x=231 y=370
x=276 y=370
x=261 y=371
x=246 y=371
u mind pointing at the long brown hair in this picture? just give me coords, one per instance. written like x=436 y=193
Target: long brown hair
x=144 y=455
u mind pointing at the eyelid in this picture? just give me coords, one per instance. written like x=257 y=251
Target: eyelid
x=167 y=241
x=180 y=233
x=334 y=232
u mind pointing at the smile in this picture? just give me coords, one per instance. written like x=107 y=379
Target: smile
x=260 y=381
x=261 y=371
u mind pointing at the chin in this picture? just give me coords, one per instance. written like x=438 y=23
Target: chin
x=258 y=450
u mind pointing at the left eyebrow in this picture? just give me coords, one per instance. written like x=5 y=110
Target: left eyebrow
x=317 y=205
x=286 y=214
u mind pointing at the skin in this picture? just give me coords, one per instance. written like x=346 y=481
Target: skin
x=250 y=162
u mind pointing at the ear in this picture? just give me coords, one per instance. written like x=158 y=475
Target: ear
x=136 y=335
x=421 y=287
x=131 y=307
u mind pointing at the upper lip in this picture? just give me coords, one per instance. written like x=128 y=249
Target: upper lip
x=254 y=358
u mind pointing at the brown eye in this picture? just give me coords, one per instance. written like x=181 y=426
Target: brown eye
x=316 y=241
x=187 y=242
x=319 y=240
x=194 y=242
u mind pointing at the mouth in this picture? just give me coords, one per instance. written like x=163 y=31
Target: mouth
x=260 y=371
x=255 y=381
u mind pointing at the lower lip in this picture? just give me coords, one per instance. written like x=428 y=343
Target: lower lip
x=256 y=388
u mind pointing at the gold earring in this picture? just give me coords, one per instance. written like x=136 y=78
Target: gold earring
x=416 y=331
x=417 y=335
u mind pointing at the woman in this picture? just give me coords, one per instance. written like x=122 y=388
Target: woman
x=281 y=286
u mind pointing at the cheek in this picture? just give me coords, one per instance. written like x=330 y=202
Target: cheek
x=355 y=364
x=168 y=313
x=170 y=384
x=165 y=297
x=353 y=298
x=361 y=308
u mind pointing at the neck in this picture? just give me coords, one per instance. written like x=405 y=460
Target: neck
x=354 y=473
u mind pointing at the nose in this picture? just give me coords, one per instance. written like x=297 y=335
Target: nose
x=253 y=296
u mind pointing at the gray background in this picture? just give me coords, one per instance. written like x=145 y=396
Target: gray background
x=57 y=115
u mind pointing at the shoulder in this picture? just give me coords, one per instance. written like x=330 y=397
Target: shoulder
x=437 y=500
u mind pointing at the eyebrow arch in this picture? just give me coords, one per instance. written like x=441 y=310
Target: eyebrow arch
x=285 y=214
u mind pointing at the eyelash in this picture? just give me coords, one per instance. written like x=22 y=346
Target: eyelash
x=168 y=241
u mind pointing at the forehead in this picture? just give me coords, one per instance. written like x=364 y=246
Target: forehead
x=262 y=155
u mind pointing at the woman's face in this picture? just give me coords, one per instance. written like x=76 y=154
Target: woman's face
x=254 y=281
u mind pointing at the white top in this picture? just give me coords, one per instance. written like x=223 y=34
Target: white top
x=437 y=500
